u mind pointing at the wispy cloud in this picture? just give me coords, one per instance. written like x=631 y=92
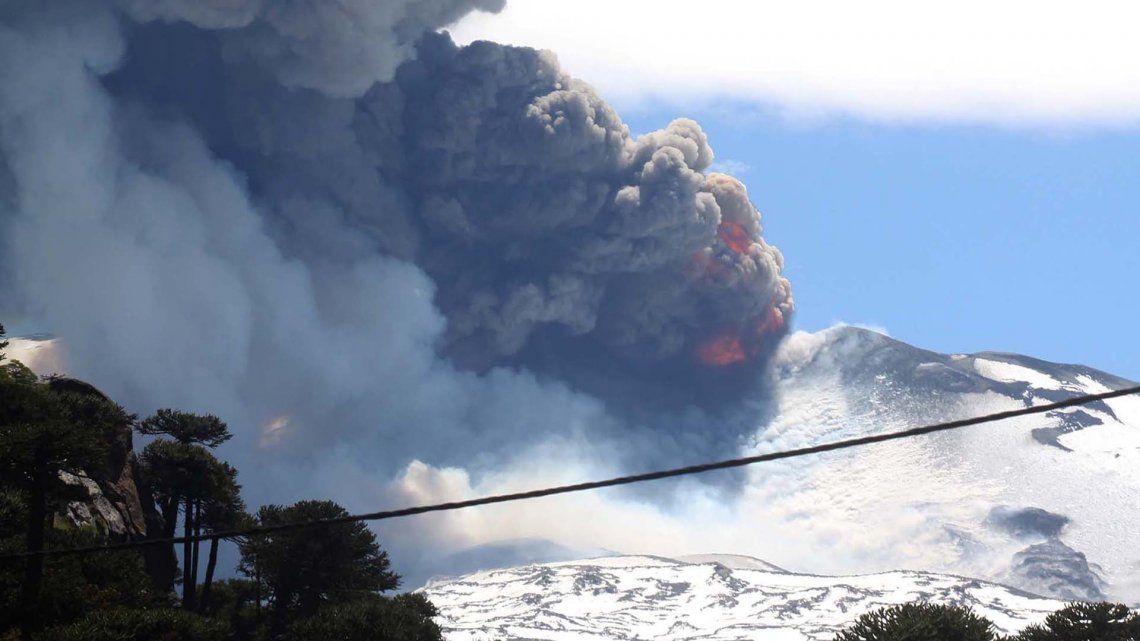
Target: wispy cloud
x=732 y=167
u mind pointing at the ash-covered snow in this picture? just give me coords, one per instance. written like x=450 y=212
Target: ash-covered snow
x=1011 y=373
x=936 y=495
x=640 y=597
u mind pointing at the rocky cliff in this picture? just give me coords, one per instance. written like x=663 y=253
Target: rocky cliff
x=113 y=496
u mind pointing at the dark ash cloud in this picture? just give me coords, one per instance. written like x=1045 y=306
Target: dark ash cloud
x=331 y=225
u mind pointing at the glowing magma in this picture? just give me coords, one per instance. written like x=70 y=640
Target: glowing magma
x=734 y=236
x=723 y=349
x=731 y=347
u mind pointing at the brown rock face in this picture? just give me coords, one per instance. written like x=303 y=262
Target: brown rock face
x=109 y=493
x=116 y=499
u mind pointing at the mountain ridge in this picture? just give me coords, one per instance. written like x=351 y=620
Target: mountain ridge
x=1032 y=503
x=648 y=596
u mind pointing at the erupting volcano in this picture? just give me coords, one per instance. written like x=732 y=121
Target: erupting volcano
x=474 y=209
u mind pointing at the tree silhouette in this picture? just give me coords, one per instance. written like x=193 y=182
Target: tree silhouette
x=187 y=428
x=303 y=569
x=222 y=509
x=919 y=622
x=407 y=617
x=1086 y=622
x=139 y=625
x=186 y=478
x=45 y=432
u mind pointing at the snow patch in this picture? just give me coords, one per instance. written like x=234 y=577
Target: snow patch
x=1003 y=372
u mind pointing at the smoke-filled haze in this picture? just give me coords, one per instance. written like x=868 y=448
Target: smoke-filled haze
x=367 y=248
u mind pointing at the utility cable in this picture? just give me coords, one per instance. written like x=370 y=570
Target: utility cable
x=590 y=485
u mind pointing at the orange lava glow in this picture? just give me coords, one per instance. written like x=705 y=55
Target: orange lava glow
x=734 y=236
x=722 y=350
x=730 y=348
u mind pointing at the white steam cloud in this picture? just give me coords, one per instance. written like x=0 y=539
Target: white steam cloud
x=1013 y=63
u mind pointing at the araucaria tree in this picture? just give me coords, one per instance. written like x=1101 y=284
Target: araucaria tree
x=222 y=509
x=321 y=582
x=187 y=428
x=920 y=622
x=302 y=569
x=188 y=480
x=1086 y=622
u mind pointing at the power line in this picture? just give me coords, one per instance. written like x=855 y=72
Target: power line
x=591 y=485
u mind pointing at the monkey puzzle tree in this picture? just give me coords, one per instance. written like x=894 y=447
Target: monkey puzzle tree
x=45 y=432
x=222 y=509
x=303 y=569
x=181 y=471
x=187 y=428
x=174 y=471
x=182 y=476
x=919 y=622
x=1086 y=622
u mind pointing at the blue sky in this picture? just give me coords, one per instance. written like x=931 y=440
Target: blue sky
x=953 y=238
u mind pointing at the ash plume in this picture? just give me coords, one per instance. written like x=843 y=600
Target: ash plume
x=534 y=211
x=470 y=242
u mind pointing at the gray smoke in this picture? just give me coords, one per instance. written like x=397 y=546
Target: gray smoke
x=522 y=194
x=339 y=48
x=332 y=226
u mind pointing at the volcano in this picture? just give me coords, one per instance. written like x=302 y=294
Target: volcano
x=1044 y=503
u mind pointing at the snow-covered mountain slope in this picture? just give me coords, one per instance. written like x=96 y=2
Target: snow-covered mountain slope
x=1048 y=503
x=642 y=597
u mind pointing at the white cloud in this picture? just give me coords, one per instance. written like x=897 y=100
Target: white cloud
x=781 y=513
x=1014 y=62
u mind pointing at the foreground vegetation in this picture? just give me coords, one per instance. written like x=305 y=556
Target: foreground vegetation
x=312 y=584
x=929 y=622
x=297 y=585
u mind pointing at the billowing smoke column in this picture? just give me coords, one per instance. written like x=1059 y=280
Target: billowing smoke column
x=329 y=212
x=540 y=215
x=527 y=201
